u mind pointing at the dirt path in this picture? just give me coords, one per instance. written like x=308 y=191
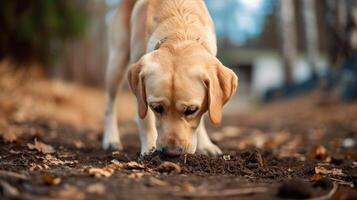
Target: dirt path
x=294 y=149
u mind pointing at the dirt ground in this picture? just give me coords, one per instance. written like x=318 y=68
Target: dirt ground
x=302 y=148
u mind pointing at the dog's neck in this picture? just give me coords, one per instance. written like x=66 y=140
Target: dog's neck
x=179 y=39
x=166 y=35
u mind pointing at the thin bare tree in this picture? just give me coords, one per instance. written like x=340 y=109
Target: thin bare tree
x=287 y=36
x=310 y=32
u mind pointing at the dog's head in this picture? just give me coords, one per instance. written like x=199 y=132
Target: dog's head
x=179 y=86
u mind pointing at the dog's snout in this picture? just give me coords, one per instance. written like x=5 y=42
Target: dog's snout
x=172 y=151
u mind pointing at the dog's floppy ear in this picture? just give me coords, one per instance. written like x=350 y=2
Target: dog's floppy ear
x=221 y=83
x=137 y=85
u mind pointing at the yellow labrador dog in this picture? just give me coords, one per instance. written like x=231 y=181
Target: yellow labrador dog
x=174 y=74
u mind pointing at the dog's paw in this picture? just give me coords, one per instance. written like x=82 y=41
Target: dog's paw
x=145 y=152
x=111 y=139
x=210 y=150
x=111 y=146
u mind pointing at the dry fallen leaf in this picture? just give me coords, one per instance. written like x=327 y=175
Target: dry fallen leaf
x=169 y=167
x=96 y=188
x=135 y=165
x=51 y=160
x=34 y=166
x=50 y=179
x=41 y=147
x=136 y=174
x=14 y=152
x=78 y=144
x=256 y=139
x=226 y=132
x=116 y=165
x=156 y=182
x=315 y=177
x=277 y=139
x=319 y=152
x=101 y=172
x=187 y=187
x=323 y=170
x=71 y=192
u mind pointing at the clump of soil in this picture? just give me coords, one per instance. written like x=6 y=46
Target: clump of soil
x=249 y=162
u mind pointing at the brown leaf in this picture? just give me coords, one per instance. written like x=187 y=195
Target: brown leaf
x=156 y=182
x=169 y=167
x=136 y=174
x=71 y=192
x=50 y=179
x=41 y=147
x=51 y=160
x=277 y=139
x=187 y=187
x=315 y=177
x=116 y=165
x=34 y=166
x=96 y=188
x=135 y=165
x=101 y=172
x=319 y=152
x=323 y=170
x=79 y=144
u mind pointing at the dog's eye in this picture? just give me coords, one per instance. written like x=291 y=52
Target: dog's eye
x=190 y=110
x=158 y=108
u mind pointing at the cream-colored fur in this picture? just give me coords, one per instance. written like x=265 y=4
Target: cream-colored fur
x=174 y=75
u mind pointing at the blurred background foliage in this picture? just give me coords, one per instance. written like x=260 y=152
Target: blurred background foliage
x=35 y=30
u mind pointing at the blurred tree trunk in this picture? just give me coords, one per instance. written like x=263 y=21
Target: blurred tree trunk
x=85 y=59
x=311 y=33
x=287 y=36
x=341 y=23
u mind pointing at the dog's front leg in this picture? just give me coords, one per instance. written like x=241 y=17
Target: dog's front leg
x=148 y=133
x=111 y=138
x=204 y=143
x=114 y=77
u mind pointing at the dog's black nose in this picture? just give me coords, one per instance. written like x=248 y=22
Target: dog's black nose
x=172 y=151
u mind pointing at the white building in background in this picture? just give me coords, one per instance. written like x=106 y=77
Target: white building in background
x=267 y=72
x=262 y=69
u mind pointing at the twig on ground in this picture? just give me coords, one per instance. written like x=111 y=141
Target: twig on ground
x=222 y=193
